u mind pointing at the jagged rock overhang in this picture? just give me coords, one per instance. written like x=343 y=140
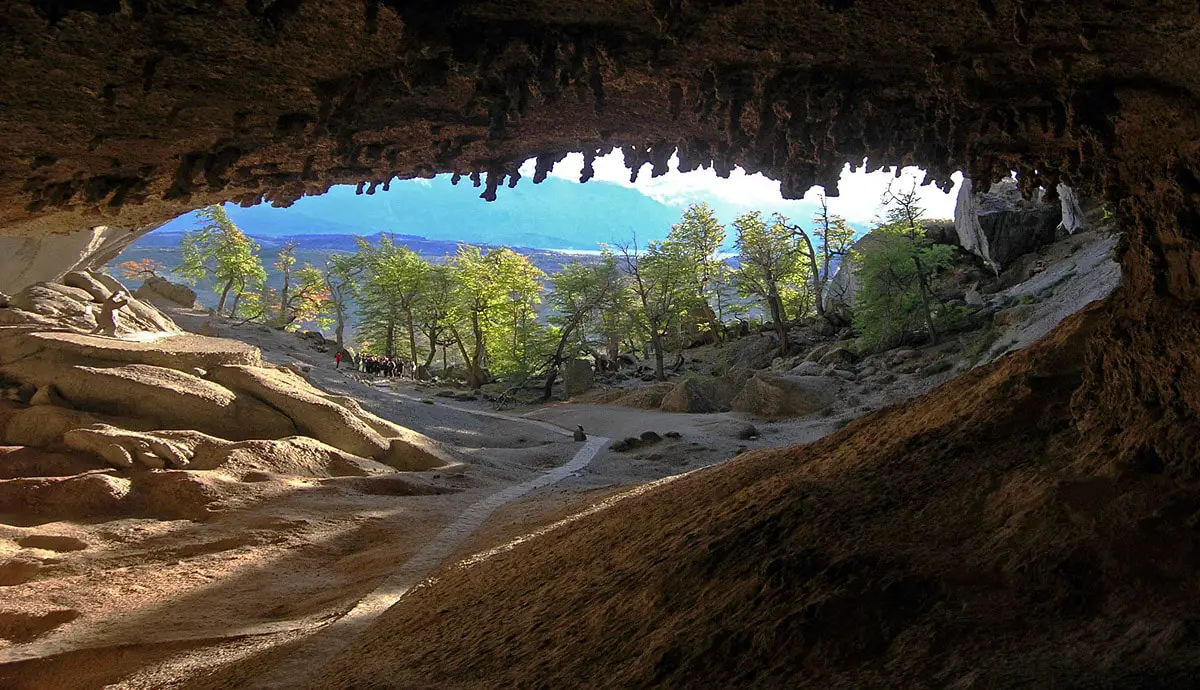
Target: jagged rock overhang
x=127 y=113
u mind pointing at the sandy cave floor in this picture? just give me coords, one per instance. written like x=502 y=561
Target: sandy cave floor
x=259 y=590
x=142 y=602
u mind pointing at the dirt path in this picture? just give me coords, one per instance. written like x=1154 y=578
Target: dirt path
x=344 y=622
x=310 y=656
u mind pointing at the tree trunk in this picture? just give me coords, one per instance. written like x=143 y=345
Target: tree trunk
x=818 y=279
x=283 y=299
x=476 y=367
x=412 y=336
x=432 y=335
x=389 y=343
x=224 y=295
x=656 y=340
x=776 y=304
x=340 y=332
x=923 y=287
x=552 y=371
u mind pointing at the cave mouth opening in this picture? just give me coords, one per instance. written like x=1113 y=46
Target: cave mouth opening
x=576 y=207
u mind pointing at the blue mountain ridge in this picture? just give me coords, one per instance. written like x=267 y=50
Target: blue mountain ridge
x=556 y=214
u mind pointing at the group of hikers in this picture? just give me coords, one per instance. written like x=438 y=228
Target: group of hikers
x=380 y=365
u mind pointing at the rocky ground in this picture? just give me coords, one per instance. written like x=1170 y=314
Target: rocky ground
x=243 y=569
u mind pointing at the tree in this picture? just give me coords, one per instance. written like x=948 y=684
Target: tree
x=771 y=267
x=395 y=283
x=895 y=272
x=221 y=252
x=580 y=295
x=341 y=283
x=697 y=240
x=656 y=278
x=433 y=312
x=834 y=238
x=495 y=295
x=141 y=270
x=303 y=295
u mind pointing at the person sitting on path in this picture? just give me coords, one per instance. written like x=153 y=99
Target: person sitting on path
x=106 y=322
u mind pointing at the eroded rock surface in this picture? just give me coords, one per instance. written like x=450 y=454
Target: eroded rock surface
x=164 y=401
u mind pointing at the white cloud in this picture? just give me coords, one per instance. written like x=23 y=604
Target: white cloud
x=858 y=201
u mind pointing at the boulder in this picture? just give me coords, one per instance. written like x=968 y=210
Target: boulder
x=837 y=355
x=27 y=461
x=778 y=397
x=53 y=305
x=973 y=298
x=840 y=291
x=808 y=369
x=687 y=396
x=42 y=426
x=313 y=414
x=578 y=377
x=156 y=289
x=1000 y=225
x=165 y=398
x=1074 y=217
x=81 y=496
x=88 y=283
x=749 y=353
x=185 y=353
x=48 y=395
x=941 y=231
x=52 y=542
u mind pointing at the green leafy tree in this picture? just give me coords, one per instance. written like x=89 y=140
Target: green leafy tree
x=434 y=311
x=341 y=277
x=895 y=273
x=581 y=294
x=772 y=268
x=657 y=278
x=303 y=295
x=393 y=286
x=697 y=240
x=833 y=239
x=495 y=297
x=219 y=251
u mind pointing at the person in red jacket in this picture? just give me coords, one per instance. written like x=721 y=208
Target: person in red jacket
x=337 y=360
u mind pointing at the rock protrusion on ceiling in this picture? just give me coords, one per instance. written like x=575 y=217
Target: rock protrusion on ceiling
x=130 y=113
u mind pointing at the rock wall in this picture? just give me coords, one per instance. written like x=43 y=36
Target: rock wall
x=28 y=260
x=1000 y=225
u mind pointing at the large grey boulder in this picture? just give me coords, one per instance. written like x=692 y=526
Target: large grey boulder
x=688 y=395
x=839 y=293
x=775 y=397
x=578 y=377
x=156 y=289
x=1000 y=225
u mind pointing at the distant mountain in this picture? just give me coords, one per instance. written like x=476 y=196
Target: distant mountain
x=162 y=246
x=556 y=214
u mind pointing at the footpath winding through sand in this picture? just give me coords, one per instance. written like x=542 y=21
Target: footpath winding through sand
x=331 y=639
x=409 y=575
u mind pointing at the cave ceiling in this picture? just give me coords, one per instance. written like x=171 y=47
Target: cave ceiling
x=128 y=112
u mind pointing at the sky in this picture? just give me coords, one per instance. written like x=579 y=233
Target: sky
x=858 y=201
x=565 y=215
